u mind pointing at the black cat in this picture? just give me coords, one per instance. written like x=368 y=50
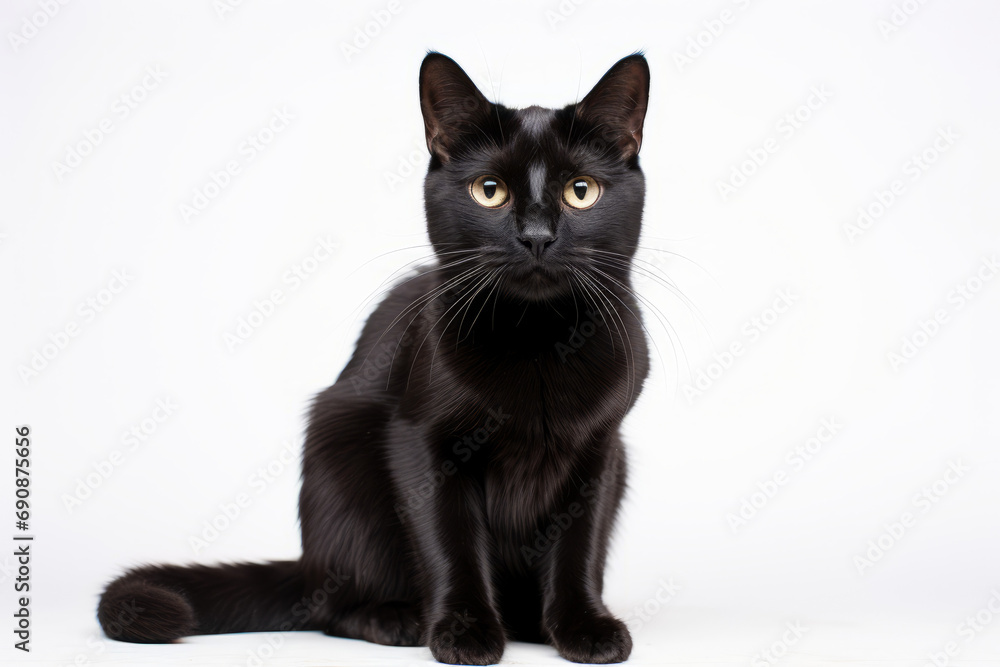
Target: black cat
x=462 y=476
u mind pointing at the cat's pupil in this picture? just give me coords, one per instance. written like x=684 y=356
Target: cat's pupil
x=489 y=189
x=580 y=190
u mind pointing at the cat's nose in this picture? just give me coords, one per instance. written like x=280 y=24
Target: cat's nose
x=537 y=241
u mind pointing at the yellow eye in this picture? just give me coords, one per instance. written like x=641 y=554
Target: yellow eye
x=581 y=192
x=489 y=191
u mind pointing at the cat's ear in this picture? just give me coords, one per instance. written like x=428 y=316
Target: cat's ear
x=450 y=102
x=617 y=104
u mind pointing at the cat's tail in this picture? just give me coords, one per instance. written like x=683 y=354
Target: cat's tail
x=160 y=603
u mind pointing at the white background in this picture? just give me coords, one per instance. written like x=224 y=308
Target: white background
x=355 y=120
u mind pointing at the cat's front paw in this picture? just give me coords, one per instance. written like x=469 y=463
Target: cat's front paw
x=465 y=638
x=591 y=638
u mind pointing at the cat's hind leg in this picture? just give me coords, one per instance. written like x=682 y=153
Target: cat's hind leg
x=389 y=623
x=351 y=528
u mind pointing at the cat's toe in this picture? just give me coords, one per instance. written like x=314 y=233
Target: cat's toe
x=394 y=624
x=390 y=623
x=598 y=639
x=467 y=640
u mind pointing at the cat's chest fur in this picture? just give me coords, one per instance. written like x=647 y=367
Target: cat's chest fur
x=560 y=378
x=520 y=406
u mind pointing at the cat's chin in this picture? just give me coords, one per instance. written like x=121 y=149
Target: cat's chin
x=539 y=286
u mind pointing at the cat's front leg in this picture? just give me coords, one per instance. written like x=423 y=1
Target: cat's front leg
x=446 y=522
x=463 y=623
x=574 y=617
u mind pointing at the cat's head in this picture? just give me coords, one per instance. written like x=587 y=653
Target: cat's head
x=534 y=196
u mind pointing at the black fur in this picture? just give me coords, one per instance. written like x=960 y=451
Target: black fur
x=462 y=476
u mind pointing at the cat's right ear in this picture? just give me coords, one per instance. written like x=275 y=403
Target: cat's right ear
x=617 y=104
x=450 y=102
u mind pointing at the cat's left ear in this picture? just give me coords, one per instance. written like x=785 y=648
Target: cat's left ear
x=450 y=102
x=617 y=104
